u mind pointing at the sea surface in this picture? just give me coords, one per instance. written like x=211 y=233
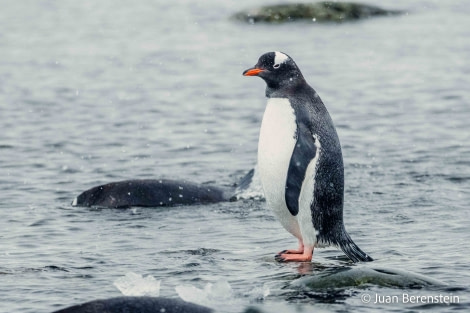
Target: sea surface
x=99 y=91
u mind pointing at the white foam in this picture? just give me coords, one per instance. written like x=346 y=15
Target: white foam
x=254 y=190
x=261 y=292
x=136 y=285
x=74 y=202
x=213 y=295
x=279 y=58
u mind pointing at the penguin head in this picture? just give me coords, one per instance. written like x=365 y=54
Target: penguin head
x=277 y=69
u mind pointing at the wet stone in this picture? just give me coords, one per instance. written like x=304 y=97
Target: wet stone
x=318 y=12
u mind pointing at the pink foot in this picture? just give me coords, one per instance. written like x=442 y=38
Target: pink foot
x=286 y=256
x=300 y=250
x=291 y=251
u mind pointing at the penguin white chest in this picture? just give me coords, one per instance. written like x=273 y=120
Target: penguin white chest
x=275 y=147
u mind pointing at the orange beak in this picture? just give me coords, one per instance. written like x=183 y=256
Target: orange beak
x=253 y=72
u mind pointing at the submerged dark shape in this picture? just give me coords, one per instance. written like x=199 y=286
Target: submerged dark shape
x=346 y=277
x=326 y=11
x=157 y=192
x=136 y=305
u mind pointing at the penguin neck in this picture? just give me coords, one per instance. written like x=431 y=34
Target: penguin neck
x=284 y=88
x=285 y=84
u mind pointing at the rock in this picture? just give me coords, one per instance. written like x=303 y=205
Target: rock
x=319 y=12
x=358 y=276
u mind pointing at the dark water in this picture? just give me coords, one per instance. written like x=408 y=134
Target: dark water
x=96 y=91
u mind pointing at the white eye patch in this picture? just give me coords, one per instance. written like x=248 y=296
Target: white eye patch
x=279 y=58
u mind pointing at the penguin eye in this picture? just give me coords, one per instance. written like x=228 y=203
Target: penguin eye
x=277 y=65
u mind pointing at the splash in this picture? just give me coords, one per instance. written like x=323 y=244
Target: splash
x=252 y=190
x=133 y=284
x=213 y=295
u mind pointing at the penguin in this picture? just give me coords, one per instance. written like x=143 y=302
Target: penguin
x=150 y=193
x=160 y=192
x=300 y=161
x=137 y=305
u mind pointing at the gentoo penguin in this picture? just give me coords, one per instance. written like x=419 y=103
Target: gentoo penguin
x=137 y=305
x=159 y=192
x=300 y=162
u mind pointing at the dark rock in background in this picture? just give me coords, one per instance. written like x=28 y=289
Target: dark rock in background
x=316 y=12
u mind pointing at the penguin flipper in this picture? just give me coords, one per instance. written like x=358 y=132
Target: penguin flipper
x=246 y=181
x=305 y=150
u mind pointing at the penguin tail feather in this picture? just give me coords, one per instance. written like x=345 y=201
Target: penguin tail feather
x=353 y=252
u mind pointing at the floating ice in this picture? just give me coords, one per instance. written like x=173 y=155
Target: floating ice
x=136 y=285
